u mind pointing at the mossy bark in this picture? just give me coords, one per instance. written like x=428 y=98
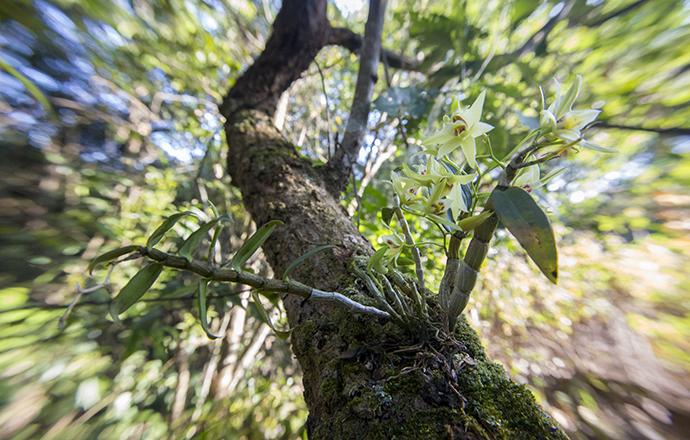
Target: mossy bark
x=363 y=377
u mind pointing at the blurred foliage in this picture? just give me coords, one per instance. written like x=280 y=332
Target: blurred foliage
x=134 y=135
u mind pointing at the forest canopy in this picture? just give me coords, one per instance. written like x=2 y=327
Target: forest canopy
x=537 y=149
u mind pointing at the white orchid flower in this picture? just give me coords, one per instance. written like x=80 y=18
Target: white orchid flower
x=562 y=120
x=435 y=172
x=405 y=188
x=455 y=201
x=459 y=131
x=394 y=245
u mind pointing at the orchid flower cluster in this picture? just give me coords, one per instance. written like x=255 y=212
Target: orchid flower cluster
x=446 y=190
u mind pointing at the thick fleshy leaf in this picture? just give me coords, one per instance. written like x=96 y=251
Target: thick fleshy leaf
x=518 y=211
x=201 y=304
x=195 y=238
x=253 y=244
x=137 y=287
x=110 y=256
x=304 y=257
x=387 y=215
x=164 y=227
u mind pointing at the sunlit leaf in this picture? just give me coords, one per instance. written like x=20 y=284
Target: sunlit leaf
x=194 y=240
x=110 y=256
x=469 y=223
x=518 y=211
x=28 y=84
x=378 y=261
x=164 y=227
x=137 y=287
x=201 y=305
x=264 y=316
x=253 y=244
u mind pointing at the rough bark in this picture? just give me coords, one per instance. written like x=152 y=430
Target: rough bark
x=363 y=377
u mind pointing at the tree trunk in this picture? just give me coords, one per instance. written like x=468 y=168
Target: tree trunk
x=363 y=377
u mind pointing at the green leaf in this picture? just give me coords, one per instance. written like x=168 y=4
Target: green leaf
x=253 y=244
x=469 y=223
x=263 y=314
x=137 y=287
x=448 y=224
x=164 y=227
x=378 y=261
x=214 y=240
x=201 y=304
x=111 y=255
x=310 y=253
x=387 y=215
x=28 y=85
x=194 y=240
x=518 y=211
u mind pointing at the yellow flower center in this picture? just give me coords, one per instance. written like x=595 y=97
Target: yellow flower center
x=459 y=126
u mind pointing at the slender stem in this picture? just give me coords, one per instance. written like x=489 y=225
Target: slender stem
x=257 y=281
x=410 y=241
x=328 y=110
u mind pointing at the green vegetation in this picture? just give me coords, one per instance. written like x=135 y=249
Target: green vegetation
x=112 y=138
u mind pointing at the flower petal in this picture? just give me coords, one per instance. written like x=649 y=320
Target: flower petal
x=592 y=146
x=469 y=149
x=449 y=147
x=547 y=120
x=474 y=113
x=569 y=99
x=456 y=201
x=480 y=128
x=441 y=136
x=578 y=119
x=568 y=135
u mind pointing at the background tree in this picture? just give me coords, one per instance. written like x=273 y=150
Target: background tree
x=161 y=33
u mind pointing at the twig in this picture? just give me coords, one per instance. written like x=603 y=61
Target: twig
x=80 y=292
x=340 y=166
x=328 y=110
x=257 y=281
x=351 y=41
x=673 y=131
x=416 y=255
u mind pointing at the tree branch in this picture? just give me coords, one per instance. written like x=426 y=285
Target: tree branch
x=257 y=281
x=622 y=11
x=540 y=36
x=674 y=131
x=340 y=167
x=344 y=37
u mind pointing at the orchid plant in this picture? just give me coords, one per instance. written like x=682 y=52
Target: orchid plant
x=450 y=191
